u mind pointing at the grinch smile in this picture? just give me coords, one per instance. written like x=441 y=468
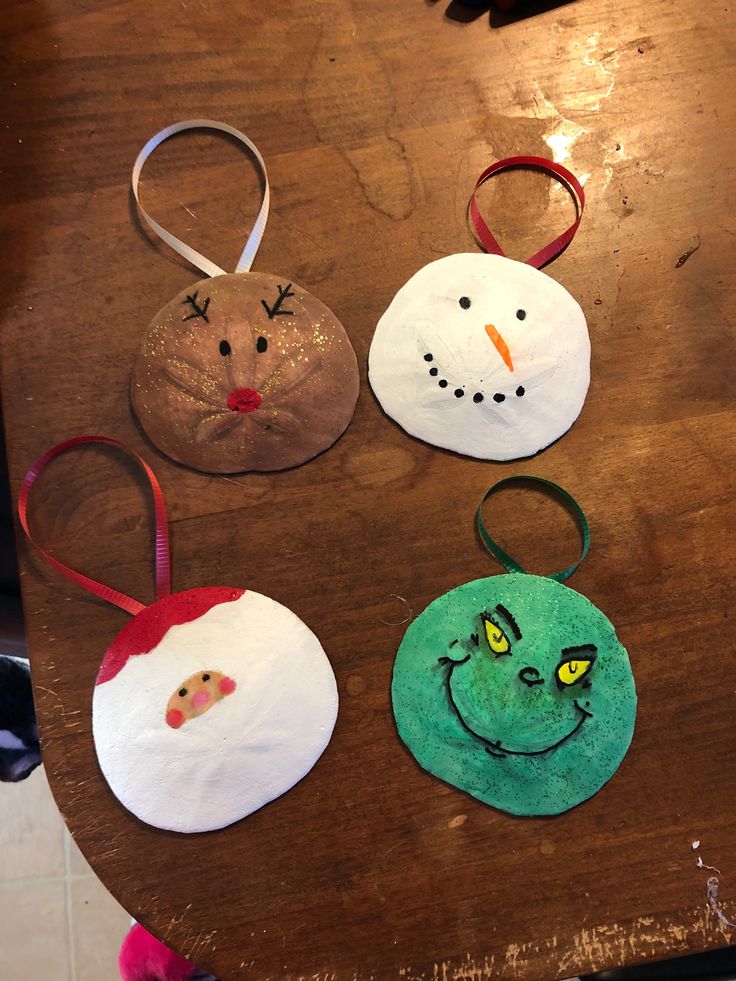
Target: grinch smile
x=496 y=747
x=498 y=750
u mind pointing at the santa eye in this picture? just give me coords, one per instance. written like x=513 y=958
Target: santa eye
x=520 y=314
x=182 y=692
x=225 y=348
x=464 y=302
x=261 y=345
x=497 y=639
x=205 y=677
x=573 y=671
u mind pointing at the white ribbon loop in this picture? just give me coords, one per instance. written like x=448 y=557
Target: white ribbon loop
x=191 y=255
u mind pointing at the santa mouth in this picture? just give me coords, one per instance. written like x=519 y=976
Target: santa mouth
x=459 y=392
x=244 y=400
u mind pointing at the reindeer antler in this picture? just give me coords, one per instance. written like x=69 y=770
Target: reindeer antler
x=198 y=311
x=275 y=310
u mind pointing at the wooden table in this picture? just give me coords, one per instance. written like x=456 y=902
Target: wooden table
x=375 y=119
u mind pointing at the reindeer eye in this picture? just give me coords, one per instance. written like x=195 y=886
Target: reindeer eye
x=261 y=345
x=225 y=348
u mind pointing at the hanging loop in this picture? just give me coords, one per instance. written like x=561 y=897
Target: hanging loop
x=510 y=564
x=191 y=255
x=568 y=180
x=163 y=565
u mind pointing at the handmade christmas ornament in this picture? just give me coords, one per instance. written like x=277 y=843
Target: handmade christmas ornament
x=515 y=688
x=243 y=371
x=481 y=354
x=209 y=703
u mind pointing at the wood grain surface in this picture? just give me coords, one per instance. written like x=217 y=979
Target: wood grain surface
x=375 y=119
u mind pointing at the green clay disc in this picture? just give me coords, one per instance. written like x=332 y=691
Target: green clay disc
x=516 y=690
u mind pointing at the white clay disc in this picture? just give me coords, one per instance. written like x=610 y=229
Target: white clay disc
x=482 y=355
x=258 y=709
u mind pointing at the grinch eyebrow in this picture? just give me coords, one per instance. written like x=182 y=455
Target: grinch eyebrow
x=509 y=620
x=579 y=649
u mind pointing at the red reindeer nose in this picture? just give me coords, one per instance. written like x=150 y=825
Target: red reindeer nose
x=244 y=400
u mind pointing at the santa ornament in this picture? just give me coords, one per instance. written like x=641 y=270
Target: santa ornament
x=209 y=703
x=482 y=354
x=242 y=371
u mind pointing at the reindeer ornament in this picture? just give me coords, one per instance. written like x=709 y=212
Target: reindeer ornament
x=242 y=371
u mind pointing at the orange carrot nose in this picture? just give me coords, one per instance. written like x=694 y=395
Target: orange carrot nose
x=500 y=345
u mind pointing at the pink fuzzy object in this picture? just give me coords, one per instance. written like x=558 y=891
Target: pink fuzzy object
x=143 y=958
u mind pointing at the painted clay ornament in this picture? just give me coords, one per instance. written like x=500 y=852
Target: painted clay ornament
x=242 y=371
x=210 y=702
x=515 y=688
x=482 y=354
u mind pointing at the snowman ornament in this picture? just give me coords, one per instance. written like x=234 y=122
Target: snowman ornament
x=481 y=354
x=210 y=702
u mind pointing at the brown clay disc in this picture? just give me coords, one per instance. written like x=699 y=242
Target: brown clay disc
x=245 y=371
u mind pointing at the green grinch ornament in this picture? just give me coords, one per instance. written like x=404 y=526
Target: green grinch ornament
x=516 y=688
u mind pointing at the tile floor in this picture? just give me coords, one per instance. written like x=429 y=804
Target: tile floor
x=57 y=920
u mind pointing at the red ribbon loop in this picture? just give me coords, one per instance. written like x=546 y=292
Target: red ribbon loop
x=163 y=565
x=568 y=180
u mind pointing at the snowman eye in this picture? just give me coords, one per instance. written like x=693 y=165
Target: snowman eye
x=521 y=314
x=261 y=345
x=225 y=349
x=464 y=302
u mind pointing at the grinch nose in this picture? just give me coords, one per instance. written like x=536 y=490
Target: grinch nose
x=244 y=400
x=530 y=676
x=500 y=345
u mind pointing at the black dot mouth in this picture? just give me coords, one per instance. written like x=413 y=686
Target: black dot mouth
x=495 y=747
x=459 y=392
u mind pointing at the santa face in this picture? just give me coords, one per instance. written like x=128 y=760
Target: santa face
x=200 y=718
x=482 y=355
x=245 y=372
x=198 y=693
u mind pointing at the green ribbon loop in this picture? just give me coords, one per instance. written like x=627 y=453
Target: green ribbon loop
x=511 y=565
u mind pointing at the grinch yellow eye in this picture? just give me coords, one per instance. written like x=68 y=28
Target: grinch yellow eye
x=572 y=671
x=497 y=639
